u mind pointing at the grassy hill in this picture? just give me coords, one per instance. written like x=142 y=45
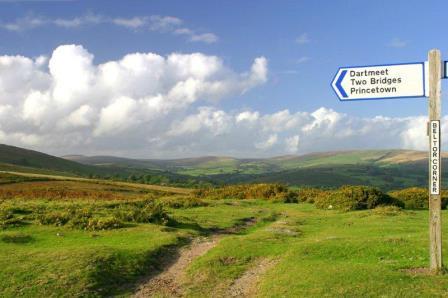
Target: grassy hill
x=212 y=165
x=15 y=159
x=11 y=155
x=387 y=169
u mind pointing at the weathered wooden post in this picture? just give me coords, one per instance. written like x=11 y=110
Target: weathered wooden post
x=435 y=225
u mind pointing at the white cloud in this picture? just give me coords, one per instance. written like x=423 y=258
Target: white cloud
x=31 y=22
x=196 y=37
x=303 y=39
x=268 y=143
x=134 y=22
x=292 y=144
x=116 y=117
x=303 y=59
x=88 y=19
x=164 y=24
x=66 y=101
x=251 y=134
x=205 y=37
x=149 y=105
x=247 y=116
x=397 y=43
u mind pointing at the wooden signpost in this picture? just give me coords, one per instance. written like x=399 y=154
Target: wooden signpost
x=435 y=224
x=407 y=80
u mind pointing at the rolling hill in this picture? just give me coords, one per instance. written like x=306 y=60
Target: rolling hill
x=387 y=169
x=18 y=159
x=213 y=165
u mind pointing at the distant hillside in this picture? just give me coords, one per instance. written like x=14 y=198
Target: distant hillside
x=23 y=160
x=113 y=161
x=12 y=155
x=387 y=169
x=215 y=165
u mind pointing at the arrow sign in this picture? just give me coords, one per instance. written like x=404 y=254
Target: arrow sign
x=380 y=81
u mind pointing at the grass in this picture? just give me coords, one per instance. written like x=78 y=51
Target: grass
x=316 y=252
x=97 y=181
x=40 y=260
x=326 y=253
x=72 y=263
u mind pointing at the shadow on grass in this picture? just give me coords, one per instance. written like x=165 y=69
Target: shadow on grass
x=113 y=275
x=181 y=225
x=16 y=238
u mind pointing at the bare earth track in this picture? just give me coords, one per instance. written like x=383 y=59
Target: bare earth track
x=171 y=281
x=246 y=285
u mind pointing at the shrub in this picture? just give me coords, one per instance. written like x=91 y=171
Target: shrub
x=286 y=197
x=182 y=202
x=80 y=218
x=309 y=195
x=247 y=191
x=103 y=223
x=354 y=198
x=7 y=218
x=147 y=211
x=6 y=214
x=56 y=218
x=387 y=210
x=416 y=197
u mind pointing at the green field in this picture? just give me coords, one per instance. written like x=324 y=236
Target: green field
x=83 y=238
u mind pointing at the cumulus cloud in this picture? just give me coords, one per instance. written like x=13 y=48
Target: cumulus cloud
x=149 y=105
x=66 y=100
x=164 y=24
x=252 y=134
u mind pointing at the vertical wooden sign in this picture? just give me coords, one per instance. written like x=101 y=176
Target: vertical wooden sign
x=435 y=225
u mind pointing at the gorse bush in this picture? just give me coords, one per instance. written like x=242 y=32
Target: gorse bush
x=286 y=197
x=177 y=202
x=81 y=219
x=148 y=211
x=309 y=194
x=90 y=215
x=276 y=192
x=56 y=218
x=8 y=219
x=416 y=197
x=103 y=223
x=354 y=198
x=387 y=210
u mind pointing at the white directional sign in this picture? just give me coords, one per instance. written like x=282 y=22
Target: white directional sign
x=380 y=81
x=434 y=156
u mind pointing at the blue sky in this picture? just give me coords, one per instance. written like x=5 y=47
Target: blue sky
x=304 y=43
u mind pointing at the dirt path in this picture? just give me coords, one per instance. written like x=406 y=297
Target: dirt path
x=170 y=282
x=246 y=285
